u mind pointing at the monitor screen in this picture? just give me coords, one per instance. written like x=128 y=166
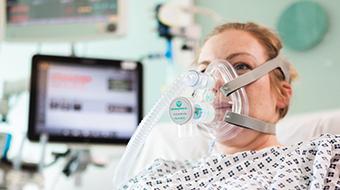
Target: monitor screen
x=84 y=100
x=76 y=19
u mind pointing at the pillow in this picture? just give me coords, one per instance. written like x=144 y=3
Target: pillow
x=307 y=126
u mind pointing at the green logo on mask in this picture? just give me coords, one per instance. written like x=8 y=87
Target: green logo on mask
x=178 y=103
x=198 y=112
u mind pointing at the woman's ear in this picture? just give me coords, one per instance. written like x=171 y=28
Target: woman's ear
x=285 y=93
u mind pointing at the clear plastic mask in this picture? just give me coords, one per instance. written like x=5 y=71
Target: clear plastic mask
x=207 y=106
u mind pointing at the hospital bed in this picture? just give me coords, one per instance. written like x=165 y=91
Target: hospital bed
x=163 y=141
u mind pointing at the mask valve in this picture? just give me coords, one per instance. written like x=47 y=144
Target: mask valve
x=198 y=80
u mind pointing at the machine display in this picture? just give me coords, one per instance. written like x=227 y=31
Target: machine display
x=63 y=19
x=84 y=100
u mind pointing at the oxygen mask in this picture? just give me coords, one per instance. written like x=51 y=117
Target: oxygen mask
x=206 y=106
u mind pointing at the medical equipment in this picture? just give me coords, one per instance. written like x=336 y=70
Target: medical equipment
x=17 y=174
x=5 y=142
x=219 y=102
x=11 y=89
x=176 y=23
x=84 y=100
x=182 y=110
x=81 y=20
x=188 y=31
x=176 y=19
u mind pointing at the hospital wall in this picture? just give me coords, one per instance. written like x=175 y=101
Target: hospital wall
x=317 y=87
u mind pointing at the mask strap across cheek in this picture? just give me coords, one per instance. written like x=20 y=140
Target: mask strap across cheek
x=255 y=74
x=249 y=123
x=245 y=79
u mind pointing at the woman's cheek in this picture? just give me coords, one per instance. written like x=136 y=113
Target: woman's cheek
x=259 y=98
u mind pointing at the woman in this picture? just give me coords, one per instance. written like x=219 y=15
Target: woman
x=251 y=159
x=246 y=46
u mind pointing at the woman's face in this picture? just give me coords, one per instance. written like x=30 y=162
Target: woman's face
x=245 y=53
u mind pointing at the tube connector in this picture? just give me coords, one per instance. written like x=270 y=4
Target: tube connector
x=197 y=80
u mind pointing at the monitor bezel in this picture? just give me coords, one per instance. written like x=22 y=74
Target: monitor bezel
x=34 y=135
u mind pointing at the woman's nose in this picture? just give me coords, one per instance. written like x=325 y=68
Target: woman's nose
x=218 y=84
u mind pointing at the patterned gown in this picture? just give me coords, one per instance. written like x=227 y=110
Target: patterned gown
x=306 y=165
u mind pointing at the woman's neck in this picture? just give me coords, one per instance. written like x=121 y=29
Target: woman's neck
x=259 y=142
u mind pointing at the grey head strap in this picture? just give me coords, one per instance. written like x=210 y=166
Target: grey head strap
x=249 y=123
x=255 y=74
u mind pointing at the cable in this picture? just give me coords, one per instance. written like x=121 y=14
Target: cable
x=169 y=52
x=57 y=156
x=151 y=56
x=7 y=145
x=71 y=166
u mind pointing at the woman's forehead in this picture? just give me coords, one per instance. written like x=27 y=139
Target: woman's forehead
x=231 y=42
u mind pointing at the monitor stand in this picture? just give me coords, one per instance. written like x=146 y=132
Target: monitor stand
x=77 y=158
x=77 y=161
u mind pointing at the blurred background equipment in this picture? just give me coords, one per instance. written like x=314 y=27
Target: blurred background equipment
x=11 y=89
x=177 y=25
x=16 y=174
x=177 y=20
x=74 y=101
x=66 y=20
x=84 y=100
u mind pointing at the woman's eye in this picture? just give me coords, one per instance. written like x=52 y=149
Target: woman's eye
x=242 y=68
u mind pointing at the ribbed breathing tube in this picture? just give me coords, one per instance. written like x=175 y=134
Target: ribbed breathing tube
x=136 y=143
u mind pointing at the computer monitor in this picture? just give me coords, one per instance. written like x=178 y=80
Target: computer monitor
x=64 y=20
x=84 y=100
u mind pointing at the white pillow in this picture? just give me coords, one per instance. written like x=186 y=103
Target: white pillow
x=307 y=126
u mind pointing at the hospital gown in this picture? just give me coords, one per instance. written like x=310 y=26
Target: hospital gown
x=307 y=165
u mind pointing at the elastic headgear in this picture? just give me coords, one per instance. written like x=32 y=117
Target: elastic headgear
x=247 y=78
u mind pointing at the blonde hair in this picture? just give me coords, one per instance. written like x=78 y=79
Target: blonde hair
x=271 y=43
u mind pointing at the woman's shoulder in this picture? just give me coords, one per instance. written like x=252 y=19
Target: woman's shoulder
x=335 y=137
x=324 y=144
x=323 y=140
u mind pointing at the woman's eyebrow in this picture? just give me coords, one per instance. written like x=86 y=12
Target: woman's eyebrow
x=238 y=54
x=206 y=62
